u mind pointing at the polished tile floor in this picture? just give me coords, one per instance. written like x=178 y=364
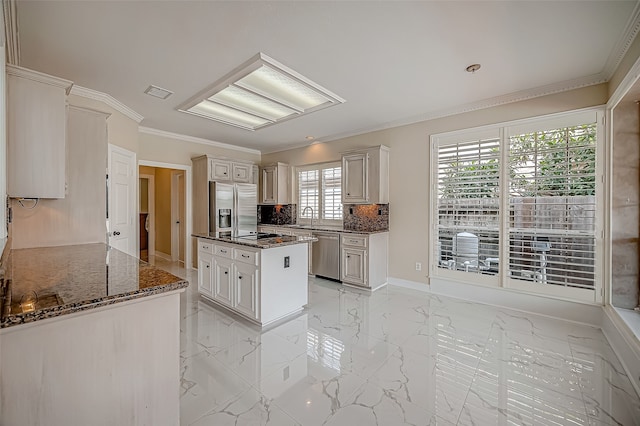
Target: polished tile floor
x=396 y=357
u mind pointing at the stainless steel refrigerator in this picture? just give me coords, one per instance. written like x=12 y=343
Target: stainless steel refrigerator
x=233 y=208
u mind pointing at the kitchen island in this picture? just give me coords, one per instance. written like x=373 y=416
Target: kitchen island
x=261 y=277
x=88 y=335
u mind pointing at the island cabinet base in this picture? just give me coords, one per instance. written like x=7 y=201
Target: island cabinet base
x=262 y=285
x=115 y=365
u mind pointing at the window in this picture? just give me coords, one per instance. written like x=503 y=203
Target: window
x=517 y=205
x=319 y=191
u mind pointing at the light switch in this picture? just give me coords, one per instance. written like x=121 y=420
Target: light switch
x=286 y=261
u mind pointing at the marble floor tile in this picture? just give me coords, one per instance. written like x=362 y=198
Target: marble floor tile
x=248 y=408
x=393 y=357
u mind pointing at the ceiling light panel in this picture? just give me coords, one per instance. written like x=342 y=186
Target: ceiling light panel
x=227 y=115
x=260 y=93
x=276 y=85
x=236 y=97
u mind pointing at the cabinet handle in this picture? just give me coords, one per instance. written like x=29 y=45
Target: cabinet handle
x=348 y=257
x=348 y=193
x=223 y=251
x=245 y=256
x=207 y=266
x=226 y=272
x=239 y=277
x=354 y=241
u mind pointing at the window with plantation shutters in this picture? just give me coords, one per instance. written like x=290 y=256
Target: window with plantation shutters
x=520 y=205
x=319 y=187
x=552 y=206
x=468 y=205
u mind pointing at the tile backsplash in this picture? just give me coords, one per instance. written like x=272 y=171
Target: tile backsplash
x=365 y=217
x=280 y=214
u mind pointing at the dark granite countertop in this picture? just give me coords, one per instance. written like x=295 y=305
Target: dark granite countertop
x=47 y=282
x=264 y=243
x=324 y=229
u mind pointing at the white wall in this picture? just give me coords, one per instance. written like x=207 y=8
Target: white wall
x=409 y=166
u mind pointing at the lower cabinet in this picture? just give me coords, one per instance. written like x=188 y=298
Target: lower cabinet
x=223 y=289
x=205 y=267
x=246 y=289
x=232 y=283
x=364 y=259
x=354 y=265
x=263 y=285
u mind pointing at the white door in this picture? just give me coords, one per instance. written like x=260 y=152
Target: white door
x=121 y=225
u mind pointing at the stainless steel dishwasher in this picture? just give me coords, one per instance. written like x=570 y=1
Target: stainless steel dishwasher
x=326 y=255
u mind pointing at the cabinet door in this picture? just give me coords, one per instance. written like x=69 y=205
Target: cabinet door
x=354 y=266
x=246 y=289
x=241 y=172
x=220 y=170
x=222 y=289
x=37 y=123
x=355 y=182
x=269 y=185
x=205 y=281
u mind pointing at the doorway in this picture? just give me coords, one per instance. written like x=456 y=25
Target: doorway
x=163 y=212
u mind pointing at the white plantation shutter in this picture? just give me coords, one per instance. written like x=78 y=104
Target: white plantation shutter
x=468 y=205
x=519 y=205
x=552 y=206
x=319 y=187
x=332 y=193
x=308 y=192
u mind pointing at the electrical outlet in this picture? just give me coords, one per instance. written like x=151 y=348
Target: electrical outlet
x=286 y=261
x=418 y=266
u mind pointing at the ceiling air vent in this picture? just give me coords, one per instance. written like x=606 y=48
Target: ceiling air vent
x=158 y=92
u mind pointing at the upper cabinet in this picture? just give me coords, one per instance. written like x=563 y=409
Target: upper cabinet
x=220 y=170
x=365 y=176
x=275 y=185
x=36 y=122
x=223 y=170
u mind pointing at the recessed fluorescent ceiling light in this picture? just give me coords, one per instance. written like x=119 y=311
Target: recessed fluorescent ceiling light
x=260 y=93
x=158 y=92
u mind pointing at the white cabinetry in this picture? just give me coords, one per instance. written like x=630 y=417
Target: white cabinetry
x=206 y=169
x=205 y=268
x=275 y=185
x=255 y=283
x=219 y=170
x=365 y=176
x=37 y=122
x=364 y=259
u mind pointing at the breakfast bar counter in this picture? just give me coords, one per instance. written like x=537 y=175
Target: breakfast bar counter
x=89 y=335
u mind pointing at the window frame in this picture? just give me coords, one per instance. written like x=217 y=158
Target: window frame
x=505 y=130
x=318 y=219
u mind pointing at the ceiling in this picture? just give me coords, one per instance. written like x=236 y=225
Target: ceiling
x=394 y=62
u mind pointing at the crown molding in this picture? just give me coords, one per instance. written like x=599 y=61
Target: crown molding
x=107 y=99
x=39 y=77
x=519 y=96
x=187 y=138
x=624 y=43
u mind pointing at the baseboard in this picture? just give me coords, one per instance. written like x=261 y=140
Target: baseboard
x=413 y=285
x=624 y=343
x=163 y=256
x=577 y=312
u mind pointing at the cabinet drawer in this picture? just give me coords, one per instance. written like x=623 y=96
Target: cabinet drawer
x=222 y=251
x=354 y=240
x=205 y=247
x=245 y=256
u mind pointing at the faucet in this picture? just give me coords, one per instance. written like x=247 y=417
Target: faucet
x=305 y=210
